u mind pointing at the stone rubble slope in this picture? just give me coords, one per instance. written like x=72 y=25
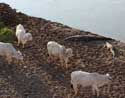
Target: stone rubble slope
x=39 y=79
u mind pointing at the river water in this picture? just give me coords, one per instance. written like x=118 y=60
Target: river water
x=104 y=17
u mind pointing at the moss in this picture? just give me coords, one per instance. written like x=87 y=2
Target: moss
x=6 y=35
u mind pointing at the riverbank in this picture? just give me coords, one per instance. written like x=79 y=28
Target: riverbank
x=39 y=79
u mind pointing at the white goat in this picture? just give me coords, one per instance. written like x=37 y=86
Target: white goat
x=57 y=50
x=110 y=47
x=27 y=37
x=22 y=36
x=85 y=79
x=7 y=50
x=20 y=31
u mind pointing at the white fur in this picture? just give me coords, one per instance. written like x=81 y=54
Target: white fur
x=86 y=79
x=22 y=36
x=110 y=47
x=27 y=37
x=20 y=31
x=57 y=50
x=7 y=50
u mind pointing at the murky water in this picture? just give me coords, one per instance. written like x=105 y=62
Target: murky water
x=105 y=17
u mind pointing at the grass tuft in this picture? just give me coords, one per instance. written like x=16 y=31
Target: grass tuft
x=6 y=35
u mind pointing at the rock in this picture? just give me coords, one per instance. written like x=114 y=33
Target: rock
x=50 y=79
x=7 y=14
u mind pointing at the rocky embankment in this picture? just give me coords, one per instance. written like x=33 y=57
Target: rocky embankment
x=39 y=79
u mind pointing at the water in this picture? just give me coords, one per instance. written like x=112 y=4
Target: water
x=105 y=17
